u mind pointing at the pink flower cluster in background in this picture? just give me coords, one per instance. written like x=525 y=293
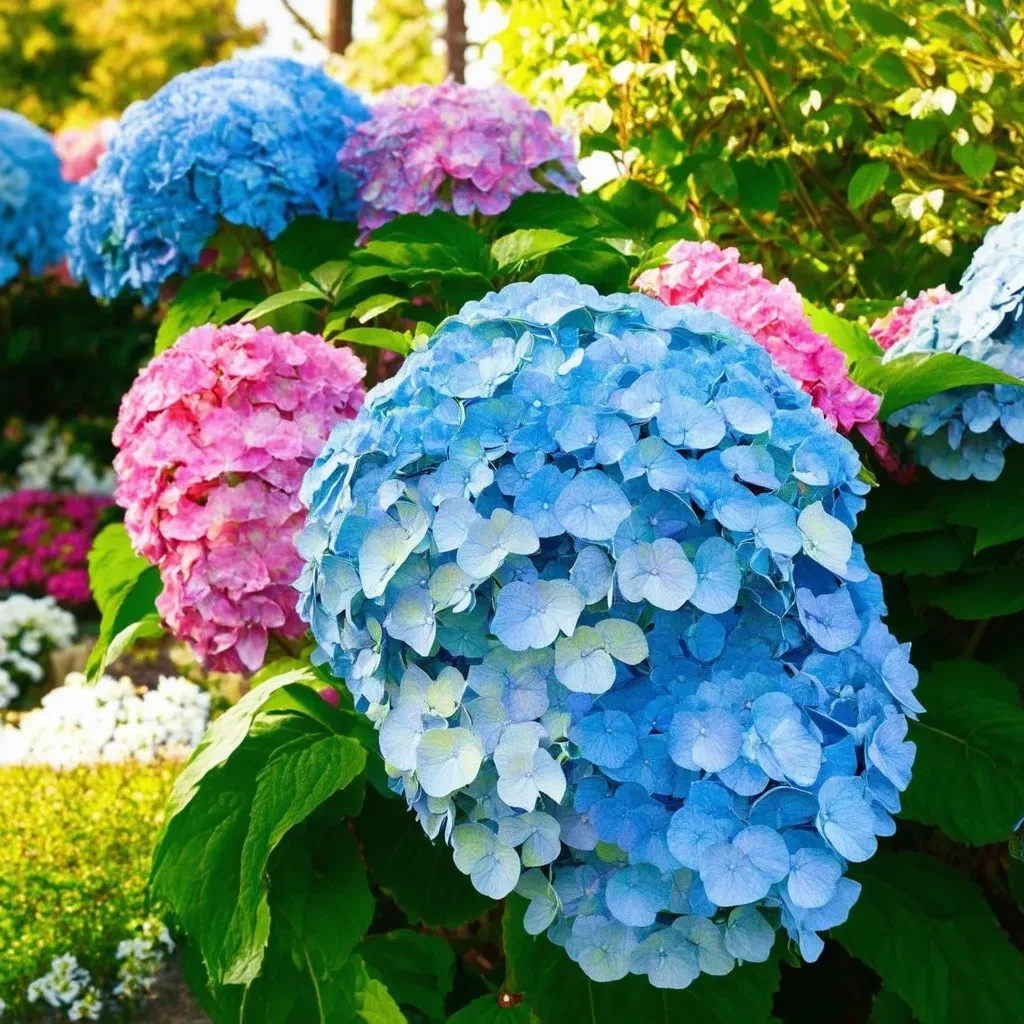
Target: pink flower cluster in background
x=895 y=325
x=44 y=542
x=456 y=148
x=80 y=149
x=715 y=279
x=214 y=437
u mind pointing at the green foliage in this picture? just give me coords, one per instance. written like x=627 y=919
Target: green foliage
x=969 y=772
x=84 y=59
x=930 y=935
x=417 y=969
x=74 y=854
x=125 y=588
x=860 y=149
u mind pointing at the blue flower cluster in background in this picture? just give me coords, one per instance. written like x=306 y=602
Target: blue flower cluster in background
x=965 y=431
x=34 y=199
x=250 y=142
x=587 y=562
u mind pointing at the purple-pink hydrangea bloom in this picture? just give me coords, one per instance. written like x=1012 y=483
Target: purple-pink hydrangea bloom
x=715 y=279
x=452 y=147
x=214 y=437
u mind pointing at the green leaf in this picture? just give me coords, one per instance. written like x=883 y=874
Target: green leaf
x=867 y=181
x=125 y=587
x=417 y=969
x=308 y=241
x=211 y=861
x=928 y=932
x=888 y=1008
x=550 y=210
x=375 y=305
x=881 y=20
x=969 y=772
x=419 y=875
x=926 y=554
x=280 y=300
x=373 y=337
x=487 y=1010
x=511 y=251
x=557 y=990
x=976 y=159
x=193 y=306
x=981 y=595
x=850 y=338
x=913 y=378
x=760 y=187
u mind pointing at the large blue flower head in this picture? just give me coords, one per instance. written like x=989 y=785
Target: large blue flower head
x=964 y=432
x=250 y=142
x=587 y=562
x=34 y=198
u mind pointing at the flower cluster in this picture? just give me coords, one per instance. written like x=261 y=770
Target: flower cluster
x=69 y=987
x=45 y=540
x=251 y=142
x=214 y=436
x=109 y=721
x=51 y=462
x=30 y=628
x=963 y=432
x=34 y=198
x=452 y=147
x=587 y=562
x=895 y=325
x=79 y=149
x=713 y=278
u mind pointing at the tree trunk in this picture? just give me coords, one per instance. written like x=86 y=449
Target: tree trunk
x=340 y=30
x=455 y=39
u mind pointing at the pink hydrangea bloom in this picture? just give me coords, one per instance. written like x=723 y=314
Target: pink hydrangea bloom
x=214 y=437
x=715 y=279
x=80 y=149
x=895 y=325
x=44 y=542
x=453 y=147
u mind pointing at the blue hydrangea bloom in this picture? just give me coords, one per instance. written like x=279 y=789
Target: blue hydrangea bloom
x=965 y=431
x=252 y=142
x=34 y=198
x=587 y=563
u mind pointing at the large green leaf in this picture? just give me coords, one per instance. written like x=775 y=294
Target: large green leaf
x=308 y=242
x=125 y=587
x=925 y=554
x=195 y=303
x=850 y=338
x=557 y=990
x=211 y=861
x=915 y=377
x=512 y=251
x=487 y=1010
x=418 y=969
x=888 y=1008
x=979 y=595
x=281 y=300
x=419 y=875
x=927 y=931
x=969 y=772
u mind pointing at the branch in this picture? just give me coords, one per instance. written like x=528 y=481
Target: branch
x=303 y=22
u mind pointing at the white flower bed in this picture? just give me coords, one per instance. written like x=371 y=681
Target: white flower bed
x=30 y=627
x=83 y=723
x=48 y=464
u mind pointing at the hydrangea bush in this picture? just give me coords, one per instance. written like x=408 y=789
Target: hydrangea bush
x=34 y=199
x=214 y=437
x=713 y=278
x=963 y=432
x=587 y=563
x=44 y=540
x=456 y=148
x=248 y=142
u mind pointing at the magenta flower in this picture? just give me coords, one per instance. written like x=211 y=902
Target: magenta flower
x=44 y=543
x=895 y=325
x=214 y=437
x=715 y=279
x=456 y=148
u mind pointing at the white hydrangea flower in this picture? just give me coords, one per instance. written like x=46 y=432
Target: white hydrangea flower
x=109 y=721
x=30 y=627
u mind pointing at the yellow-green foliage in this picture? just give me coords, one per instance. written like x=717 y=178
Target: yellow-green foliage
x=74 y=858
